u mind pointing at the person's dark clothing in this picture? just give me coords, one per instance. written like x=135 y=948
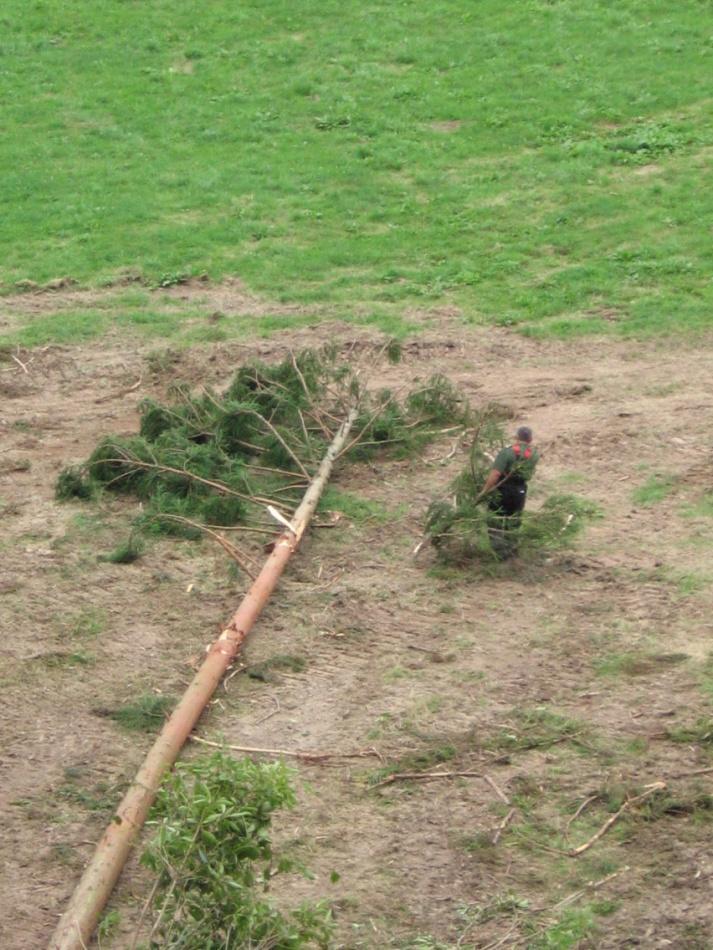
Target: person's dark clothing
x=516 y=464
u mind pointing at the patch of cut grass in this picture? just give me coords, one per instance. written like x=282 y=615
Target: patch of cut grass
x=87 y=624
x=422 y=761
x=101 y=798
x=573 y=927
x=703 y=508
x=636 y=664
x=699 y=733
x=60 y=660
x=656 y=488
x=691 y=582
x=536 y=728
x=358 y=510
x=280 y=661
x=147 y=713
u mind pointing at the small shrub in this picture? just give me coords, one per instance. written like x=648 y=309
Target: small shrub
x=214 y=859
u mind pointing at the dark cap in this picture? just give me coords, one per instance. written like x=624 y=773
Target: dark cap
x=524 y=434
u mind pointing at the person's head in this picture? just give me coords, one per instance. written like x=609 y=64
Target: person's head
x=524 y=434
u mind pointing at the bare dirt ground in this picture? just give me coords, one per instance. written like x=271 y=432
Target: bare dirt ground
x=560 y=678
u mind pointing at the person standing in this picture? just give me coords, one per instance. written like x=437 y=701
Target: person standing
x=506 y=491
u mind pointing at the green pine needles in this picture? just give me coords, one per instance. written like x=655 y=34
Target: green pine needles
x=214 y=460
x=461 y=528
x=214 y=860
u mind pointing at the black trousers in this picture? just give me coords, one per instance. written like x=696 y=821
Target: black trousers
x=506 y=505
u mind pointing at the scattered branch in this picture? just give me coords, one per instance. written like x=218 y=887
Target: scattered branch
x=498 y=791
x=310 y=757
x=19 y=362
x=503 y=825
x=588 y=888
x=425 y=776
x=121 y=393
x=585 y=804
x=690 y=774
x=612 y=820
x=230 y=549
x=280 y=439
x=220 y=487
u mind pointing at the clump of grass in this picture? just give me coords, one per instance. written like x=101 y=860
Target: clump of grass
x=359 y=510
x=86 y=624
x=536 y=728
x=573 y=927
x=420 y=761
x=635 y=664
x=655 y=489
x=59 y=659
x=280 y=661
x=73 y=482
x=127 y=552
x=99 y=799
x=701 y=733
x=145 y=714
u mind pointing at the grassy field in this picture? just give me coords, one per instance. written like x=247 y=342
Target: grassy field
x=536 y=164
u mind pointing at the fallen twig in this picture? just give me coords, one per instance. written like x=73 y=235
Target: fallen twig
x=650 y=790
x=690 y=774
x=420 y=544
x=498 y=791
x=274 y=712
x=425 y=776
x=590 y=886
x=585 y=804
x=304 y=756
x=412 y=646
x=503 y=825
x=121 y=393
x=19 y=362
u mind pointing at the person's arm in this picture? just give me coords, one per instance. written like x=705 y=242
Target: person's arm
x=491 y=481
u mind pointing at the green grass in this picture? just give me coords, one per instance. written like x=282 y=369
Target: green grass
x=536 y=728
x=87 y=624
x=637 y=664
x=358 y=510
x=574 y=926
x=703 y=508
x=537 y=164
x=656 y=488
x=146 y=714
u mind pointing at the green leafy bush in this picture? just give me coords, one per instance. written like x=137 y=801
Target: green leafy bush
x=214 y=860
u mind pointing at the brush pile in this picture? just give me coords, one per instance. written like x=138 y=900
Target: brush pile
x=460 y=526
x=211 y=460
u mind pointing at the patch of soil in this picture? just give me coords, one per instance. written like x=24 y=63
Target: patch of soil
x=517 y=648
x=229 y=297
